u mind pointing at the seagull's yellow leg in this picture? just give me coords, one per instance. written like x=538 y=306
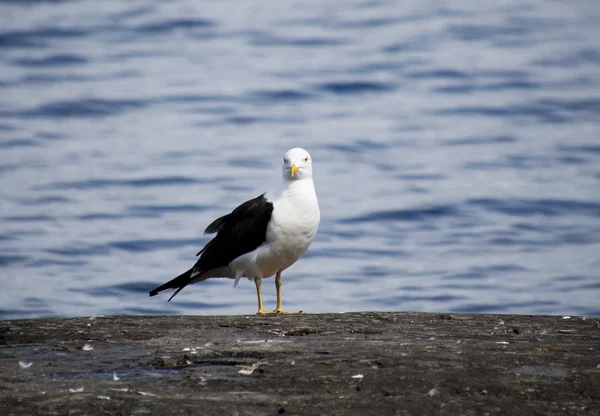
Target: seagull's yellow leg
x=261 y=310
x=279 y=308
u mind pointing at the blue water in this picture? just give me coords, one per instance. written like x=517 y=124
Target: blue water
x=456 y=149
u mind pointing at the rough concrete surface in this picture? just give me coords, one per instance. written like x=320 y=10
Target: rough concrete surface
x=331 y=364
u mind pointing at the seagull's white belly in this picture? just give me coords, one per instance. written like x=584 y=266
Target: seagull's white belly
x=282 y=252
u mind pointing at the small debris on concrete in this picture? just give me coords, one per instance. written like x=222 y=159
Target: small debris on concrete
x=248 y=370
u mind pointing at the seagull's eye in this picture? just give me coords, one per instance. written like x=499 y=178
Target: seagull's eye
x=285 y=160
x=305 y=160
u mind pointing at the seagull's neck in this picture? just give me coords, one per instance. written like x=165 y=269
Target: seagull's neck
x=304 y=187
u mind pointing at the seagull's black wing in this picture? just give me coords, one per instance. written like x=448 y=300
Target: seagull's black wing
x=249 y=210
x=239 y=232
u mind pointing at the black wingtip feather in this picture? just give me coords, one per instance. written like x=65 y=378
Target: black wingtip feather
x=176 y=292
x=178 y=283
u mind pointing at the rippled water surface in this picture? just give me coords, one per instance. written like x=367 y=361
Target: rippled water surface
x=456 y=148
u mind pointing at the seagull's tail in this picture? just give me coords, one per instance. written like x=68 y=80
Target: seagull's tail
x=178 y=283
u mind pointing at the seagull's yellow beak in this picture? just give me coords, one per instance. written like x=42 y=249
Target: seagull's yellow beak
x=294 y=169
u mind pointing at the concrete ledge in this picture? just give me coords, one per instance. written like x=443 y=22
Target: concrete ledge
x=332 y=364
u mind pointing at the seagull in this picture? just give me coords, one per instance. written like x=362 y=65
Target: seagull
x=262 y=237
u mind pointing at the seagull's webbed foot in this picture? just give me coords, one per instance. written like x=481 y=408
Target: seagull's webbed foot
x=279 y=311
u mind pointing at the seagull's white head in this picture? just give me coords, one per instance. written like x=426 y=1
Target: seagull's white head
x=297 y=164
